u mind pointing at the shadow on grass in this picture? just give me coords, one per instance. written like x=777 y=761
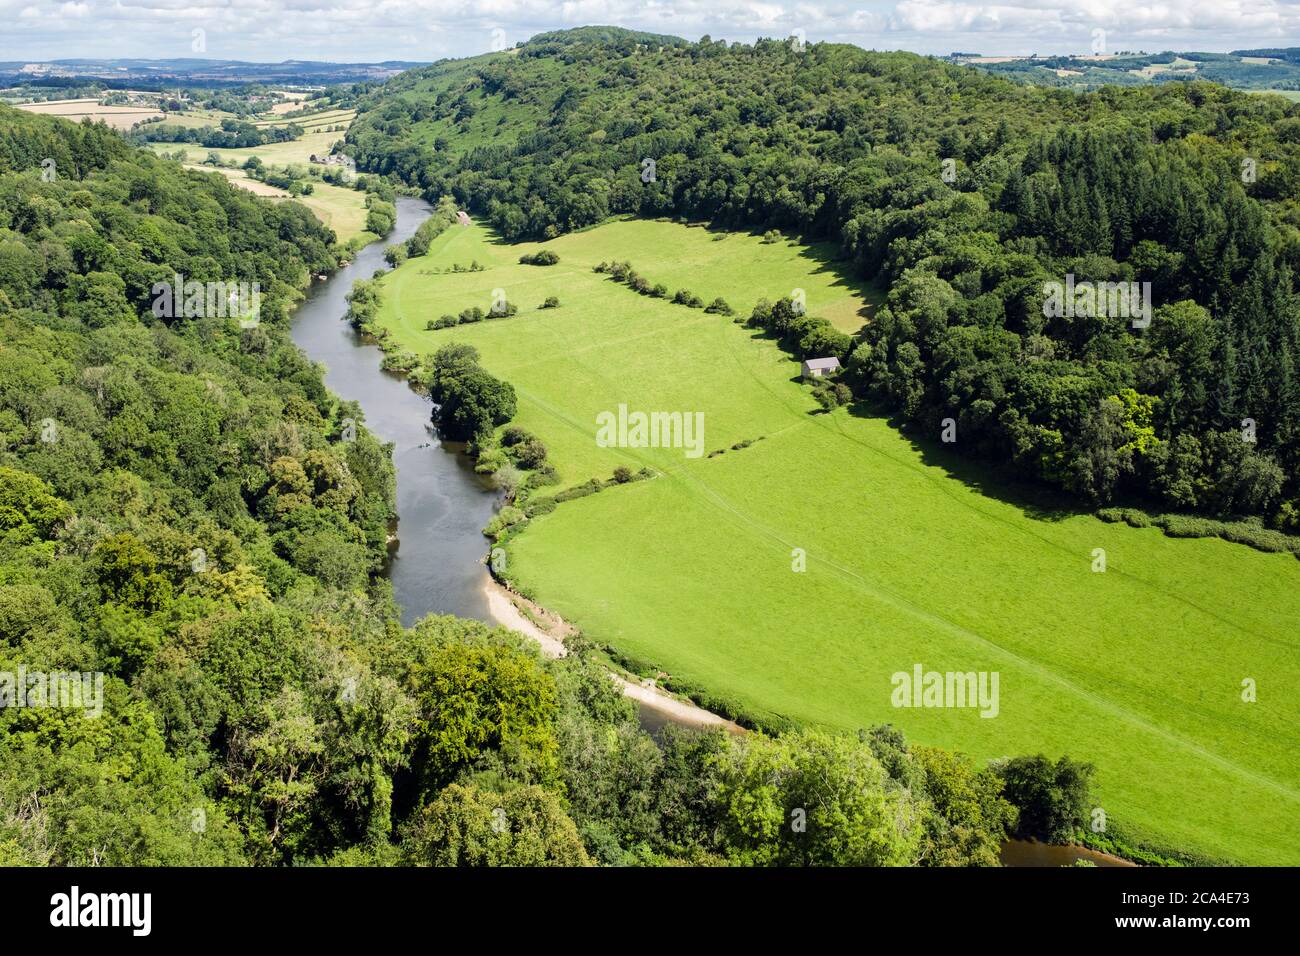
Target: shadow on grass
x=989 y=479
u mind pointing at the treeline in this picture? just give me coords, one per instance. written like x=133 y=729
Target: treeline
x=231 y=134
x=963 y=192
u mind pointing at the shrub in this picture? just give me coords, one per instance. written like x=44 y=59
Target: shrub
x=472 y=314
x=580 y=491
x=623 y=474
x=506 y=518
x=490 y=460
x=688 y=298
x=719 y=306
x=399 y=361
x=445 y=322
x=552 y=302
x=508 y=478
x=544 y=474
x=515 y=435
x=539 y=506
x=542 y=257
x=528 y=454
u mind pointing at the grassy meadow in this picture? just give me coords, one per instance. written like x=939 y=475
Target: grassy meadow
x=912 y=556
x=273 y=154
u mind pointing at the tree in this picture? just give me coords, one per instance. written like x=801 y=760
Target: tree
x=1053 y=799
x=969 y=818
x=477 y=699
x=809 y=798
x=470 y=400
x=465 y=826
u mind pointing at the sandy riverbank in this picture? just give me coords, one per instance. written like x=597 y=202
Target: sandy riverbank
x=504 y=607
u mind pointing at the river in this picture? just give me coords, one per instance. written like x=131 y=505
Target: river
x=437 y=565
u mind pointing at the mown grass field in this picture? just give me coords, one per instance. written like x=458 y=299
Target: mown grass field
x=273 y=154
x=118 y=117
x=912 y=556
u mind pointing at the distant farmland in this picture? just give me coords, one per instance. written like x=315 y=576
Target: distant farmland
x=118 y=117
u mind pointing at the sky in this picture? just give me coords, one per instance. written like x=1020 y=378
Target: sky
x=426 y=30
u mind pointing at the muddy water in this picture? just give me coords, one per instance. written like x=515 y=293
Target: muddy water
x=1033 y=853
x=437 y=563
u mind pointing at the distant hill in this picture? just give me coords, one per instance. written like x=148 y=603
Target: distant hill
x=150 y=74
x=1275 y=69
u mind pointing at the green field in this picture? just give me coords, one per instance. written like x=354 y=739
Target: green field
x=913 y=557
x=1292 y=95
x=313 y=122
x=273 y=154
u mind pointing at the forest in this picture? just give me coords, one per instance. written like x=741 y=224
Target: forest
x=187 y=512
x=962 y=193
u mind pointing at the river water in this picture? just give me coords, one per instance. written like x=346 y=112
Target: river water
x=437 y=565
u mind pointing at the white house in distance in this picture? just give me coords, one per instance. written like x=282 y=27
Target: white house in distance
x=816 y=368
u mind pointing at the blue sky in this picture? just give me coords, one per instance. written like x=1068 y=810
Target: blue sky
x=367 y=30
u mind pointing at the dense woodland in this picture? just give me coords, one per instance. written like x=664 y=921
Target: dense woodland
x=1136 y=184
x=186 y=510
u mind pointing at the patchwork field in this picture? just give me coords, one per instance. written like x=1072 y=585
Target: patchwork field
x=315 y=122
x=912 y=557
x=118 y=117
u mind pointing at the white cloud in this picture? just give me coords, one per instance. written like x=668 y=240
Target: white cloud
x=429 y=29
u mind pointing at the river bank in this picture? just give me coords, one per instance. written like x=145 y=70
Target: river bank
x=442 y=504
x=506 y=609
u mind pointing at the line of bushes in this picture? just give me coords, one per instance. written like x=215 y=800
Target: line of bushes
x=1248 y=531
x=622 y=476
x=763 y=721
x=472 y=314
x=1119 y=843
x=736 y=447
x=454 y=269
x=624 y=273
